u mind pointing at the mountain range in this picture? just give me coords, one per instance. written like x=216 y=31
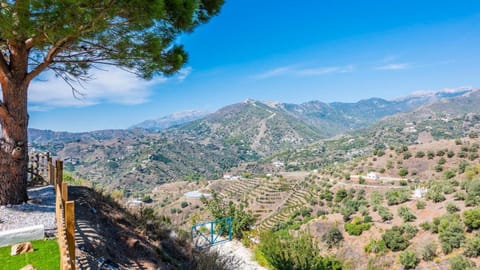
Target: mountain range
x=196 y=145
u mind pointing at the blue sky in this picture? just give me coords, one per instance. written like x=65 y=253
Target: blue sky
x=288 y=51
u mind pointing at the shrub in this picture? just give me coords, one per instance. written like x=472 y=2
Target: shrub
x=441 y=161
x=429 y=251
x=397 y=238
x=397 y=196
x=471 y=218
x=356 y=226
x=361 y=180
x=459 y=262
x=242 y=220
x=288 y=252
x=384 y=213
x=435 y=194
x=402 y=172
x=407 y=155
x=440 y=153
x=405 y=213
x=449 y=174
x=183 y=204
x=375 y=246
x=438 y=168
x=421 y=205
x=340 y=195
x=450 y=154
x=333 y=237
x=472 y=247
x=409 y=259
x=430 y=154
x=450 y=232
x=420 y=154
x=426 y=226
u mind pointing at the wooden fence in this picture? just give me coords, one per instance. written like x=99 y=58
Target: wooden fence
x=65 y=215
x=38 y=168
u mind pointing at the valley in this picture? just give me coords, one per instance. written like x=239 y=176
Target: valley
x=381 y=176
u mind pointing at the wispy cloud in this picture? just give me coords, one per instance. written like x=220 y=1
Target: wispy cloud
x=298 y=71
x=279 y=71
x=324 y=70
x=184 y=73
x=107 y=86
x=394 y=66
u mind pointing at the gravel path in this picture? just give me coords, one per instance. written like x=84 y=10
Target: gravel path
x=40 y=209
x=243 y=255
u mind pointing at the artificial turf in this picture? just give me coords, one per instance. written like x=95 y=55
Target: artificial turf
x=45 y=256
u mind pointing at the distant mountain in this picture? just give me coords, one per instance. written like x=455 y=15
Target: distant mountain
x=445 y=117
x=337 y=117
x=171 y=120
x=247 y=132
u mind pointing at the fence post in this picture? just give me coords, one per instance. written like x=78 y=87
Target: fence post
x=70 y=224
x=59 y=169
x=51 y=172
x=64 y=192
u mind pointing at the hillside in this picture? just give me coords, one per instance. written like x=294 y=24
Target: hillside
x=450 y=118
x=334 y=197
x=237 y=137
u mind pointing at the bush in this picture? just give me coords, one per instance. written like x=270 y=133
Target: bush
x=426 y=226
x=340 y=195
x=397 y=196
x=459 y=262
x=242 y=220
x=402 y=172
x=288 y=252
x=183 y=204
x=333 y=237
x=435 y=194
x=472 y=247
x=450 y=232
x=430 y=154
x=429 y=251
x=421 y=205
x=356 y=226
x=361 y=180
x=397 y=238
x=440 y=153
x=375 y=246
x=471 y=218
x=409 y=259
x=407 y=155
x=452 y=208
x=384 y=213
x=405 y=213
x=420 y=154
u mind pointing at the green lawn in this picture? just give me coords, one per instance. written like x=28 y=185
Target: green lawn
x=45 y=257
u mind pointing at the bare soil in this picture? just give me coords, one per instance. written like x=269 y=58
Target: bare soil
x=103 y=231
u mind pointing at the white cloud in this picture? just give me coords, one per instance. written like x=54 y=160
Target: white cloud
x=324 y=70
x=296 y=71
x=107 y=86
x=394 y=66
x=275 y=72
x=184 y=73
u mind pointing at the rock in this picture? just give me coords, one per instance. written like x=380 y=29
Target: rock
x=28 y=267
x=21 y=248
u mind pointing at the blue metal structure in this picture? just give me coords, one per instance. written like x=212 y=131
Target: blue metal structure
x=216 y=229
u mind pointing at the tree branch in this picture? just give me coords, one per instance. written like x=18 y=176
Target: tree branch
x=54 y=50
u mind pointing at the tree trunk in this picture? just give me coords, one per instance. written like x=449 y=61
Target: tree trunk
x=14 y=145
